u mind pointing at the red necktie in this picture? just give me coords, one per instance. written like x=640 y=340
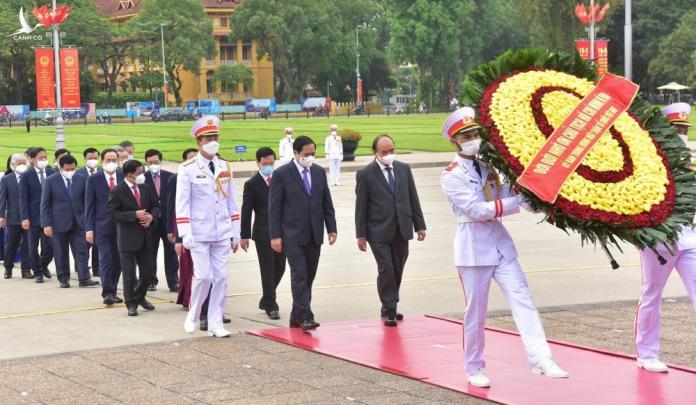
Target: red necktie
x=136 y=194
x=268 y=180
x=111 y=183
x=157 y=184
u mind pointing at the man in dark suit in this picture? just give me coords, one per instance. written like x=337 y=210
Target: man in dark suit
x=133 y=206
x=91 y=157
x=10 y=218
x=255 y=199
x=158 y=180
x=100 y=229
x=298 y=209
x=63 y=220
x=30 y=212
x=387 y=211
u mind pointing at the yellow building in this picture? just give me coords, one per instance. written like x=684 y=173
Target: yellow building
x=201 y=86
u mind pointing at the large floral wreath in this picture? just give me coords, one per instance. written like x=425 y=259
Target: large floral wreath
x=634 y=184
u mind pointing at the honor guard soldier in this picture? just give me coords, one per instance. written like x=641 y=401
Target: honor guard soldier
x=483 y=250
x=207 y=219
x=333 y=149
x=285 y=151
x=680 y=255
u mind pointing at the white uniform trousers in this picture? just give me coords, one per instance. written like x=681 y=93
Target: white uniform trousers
x=209 y=267
x=655 y=275
x=334 y=170
x=476 y=282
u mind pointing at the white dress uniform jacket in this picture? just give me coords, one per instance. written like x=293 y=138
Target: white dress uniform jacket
x=333 y=148
x=479 y=205
x=285 y=151
x=206 y=206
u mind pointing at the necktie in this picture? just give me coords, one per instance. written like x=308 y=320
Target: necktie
x=157 y=184
x=70 y=188
x=41 y=177
x=305 y=179
x=392 y=181
x=111 y=183
x=212 y=167
x=136 y=194
x=91 y=172
x=268 y=180
x=477 y=167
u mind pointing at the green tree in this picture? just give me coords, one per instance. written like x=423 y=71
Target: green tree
x=552 y=23
x=232 y=76
x=188 y=37
x=674 y=61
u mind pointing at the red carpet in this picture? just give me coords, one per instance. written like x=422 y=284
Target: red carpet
x=430 y=349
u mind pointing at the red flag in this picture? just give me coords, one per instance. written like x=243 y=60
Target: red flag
x=70 y=78
x=45 y=78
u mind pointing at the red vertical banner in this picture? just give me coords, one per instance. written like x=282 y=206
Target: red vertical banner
x=45 y=78
x=601 y=53
x=70 y=78
x=583 y=47
x=360 y=91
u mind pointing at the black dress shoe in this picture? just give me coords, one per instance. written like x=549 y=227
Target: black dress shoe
x=88 y=283
x=309 y=324
x=399 y=316
x=27 y=274
x=273 y=314
x=226 y=319
x=132 y=311
x=152 y=287
x=117 y=300
x=46 y=273
x=146 y=305
x=63 y=284
x=108 y=300
x=39 y=279
x=8 y=273
x=203 y=324
x=295 y=324
x=390 y=321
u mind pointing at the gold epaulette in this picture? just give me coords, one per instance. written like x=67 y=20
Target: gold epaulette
x=188 y=162
x=451 y=166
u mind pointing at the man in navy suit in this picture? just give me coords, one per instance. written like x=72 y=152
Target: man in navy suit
x=63 y=220
x=10 y=218
x=30 y=212
x=91 y=157
x=159 y=179
x=299 y=206
x=101 y=231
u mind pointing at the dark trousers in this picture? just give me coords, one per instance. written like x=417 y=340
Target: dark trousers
x=134 y=293
x=93 y=251
x=272 y=266
x=16 y=238
x=303 y=262
x=109 y=263
x=391 y=258
x=63 y=242
x=36 y=237
x=171 y=262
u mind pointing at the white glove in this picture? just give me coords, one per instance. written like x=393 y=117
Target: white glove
x=188 y=241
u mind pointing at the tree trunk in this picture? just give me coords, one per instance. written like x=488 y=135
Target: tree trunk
x=177 y=85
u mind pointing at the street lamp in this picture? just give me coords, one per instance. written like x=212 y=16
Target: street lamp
x=628 y=43
x=328 y=88
x=358 y=87
x=164 y=68
x=60 y=128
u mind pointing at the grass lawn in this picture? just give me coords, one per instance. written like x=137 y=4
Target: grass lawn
x=411 y=132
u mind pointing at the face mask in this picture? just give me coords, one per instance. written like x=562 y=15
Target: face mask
x=92 y=163
x=266 y=170
x=68 y=174
x=211 y=147
x=470 y=148
x=685 y=139
x=387 y=160
x=110 y=167
x=154 y=169
x=306 y=161
x=289 y=136
x=130 y=157
x=334 y=133
x=140 y=179
x=41 y=164
x=121 y=162
x=21 y=169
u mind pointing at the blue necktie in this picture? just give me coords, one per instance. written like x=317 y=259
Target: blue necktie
x=392 y=181
x=477 y=166
x=70 y=188
x=305 y=178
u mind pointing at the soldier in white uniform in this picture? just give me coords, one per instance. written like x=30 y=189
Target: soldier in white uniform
x=655 y=275
x=207 y=218
x=333 y=148
x=483 y=250
x=285 y=151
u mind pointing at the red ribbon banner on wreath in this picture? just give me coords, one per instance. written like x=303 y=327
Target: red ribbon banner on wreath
x=571 y=141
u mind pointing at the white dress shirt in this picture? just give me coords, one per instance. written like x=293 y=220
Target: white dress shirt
x=384 y=171
x=301 y=170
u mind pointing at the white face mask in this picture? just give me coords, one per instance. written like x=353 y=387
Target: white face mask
x=140 y=179
x=289 y=136
x=306 y=161
x=685 y=139
x=334 y=133
x=68 y=174
x=470 y=148
x=92 y=163
x=111 y=167
x=211 y=148
x=154 y=169
x=387 y=160
x=21 y=169
x=41 y=164
x=130 y=157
